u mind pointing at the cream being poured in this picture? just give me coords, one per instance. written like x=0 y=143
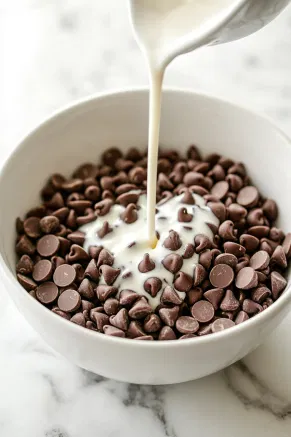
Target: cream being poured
x=165 y=29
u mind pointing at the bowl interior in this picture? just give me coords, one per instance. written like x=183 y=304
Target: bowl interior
x=82 y=132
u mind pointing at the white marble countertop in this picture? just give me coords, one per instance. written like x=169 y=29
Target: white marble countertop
x=57 y=51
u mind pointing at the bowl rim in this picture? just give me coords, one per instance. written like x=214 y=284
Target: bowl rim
x=72 y=106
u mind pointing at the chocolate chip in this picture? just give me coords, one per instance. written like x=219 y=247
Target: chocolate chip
x=127 y=198
x=110 y=156
x=146 y=265
x=56 y=202
x=110 y=274
x=214 y=296
x=237 y=168
x=205 y=259
x=72 y=185
x=234 y=248
x=42 y=270
x=226 y=258
x=86 y=305
x=104 y=230
x=64 y=275
x=189 y=251
x=259 y=231
x=221 y=276
x=221 y=324
x=152 y=286
x=256 y=217
x=276 y=234
x=172 y=262
x=127 y=297
x=105 y=291
x=107 y=183
x=164 y=182
x=227 y=232
x=26 y=282
x=260 y=294
x=229 y=302
x=188 y=198
x=99 y=318
x=220 y=189
x=197 y=189
x=86 y=289
x=92 y=271
x=103 y=207
x=111 y=306
x=250 y=242
x=202 y=242
x=183 y=282
x=236 y=212
x=79 y=319
x=278 y=284
x=248 y=196
x=24 y=265
x=69 y=300
x=218 y=210
x=202 y=311
x=140 y=309
x=94 y=251
x=169 y=295
x=187 y=325
x=105 y=257
x=279 y=258
x=92 y=193
x=57 y=261
x=251 y=307
x=48 y=245
x=173 y=241
x=112 y=331
x=19 y=225
x=77 y=237
x=169 y=315
x=167 y=333
x=47 y=293
x=60 y=313
x=270 y=209
x=64 y=246
x=24 y=246
x=133 y=154
x=129 y=215
x=152 y=323
x=120 y=320
x=77 y=253
x=184 y=216
x=241 y=317
x=135 y=330
x=246 y=278
x=260 y=260
x=61 y=214
x=194 y=295
x=31 y=227
x=57 y=180
x=49 y=224
x=193 y=178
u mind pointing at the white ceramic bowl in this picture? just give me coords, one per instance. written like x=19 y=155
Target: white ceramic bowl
x=81 y=133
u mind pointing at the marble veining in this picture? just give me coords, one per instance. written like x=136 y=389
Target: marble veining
x=67 y=49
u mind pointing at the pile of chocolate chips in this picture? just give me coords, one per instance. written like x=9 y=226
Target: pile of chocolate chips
x=239 y=275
